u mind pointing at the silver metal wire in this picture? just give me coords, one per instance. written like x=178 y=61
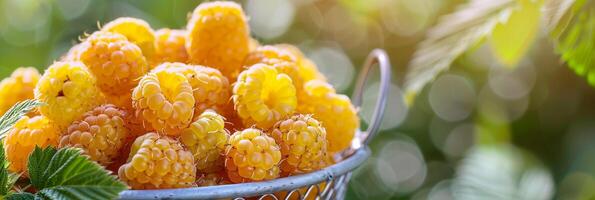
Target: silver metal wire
x=328 y=183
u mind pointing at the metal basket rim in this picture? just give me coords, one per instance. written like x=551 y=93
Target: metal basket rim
x=255 y=188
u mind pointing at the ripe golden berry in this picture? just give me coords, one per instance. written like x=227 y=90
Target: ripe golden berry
x=170 y=46
x=158 y=162
x=262 y=96
x=335 y=111
x=206 y=138
x=164 y=100
x=307 y=68
x=303 y=144
x=137 y=31
x=282 y=60
x=18 y=87
x=218 y=36
x=251 y=155
x=68 y=90
x=116 y=62
x=100 y=133
x=27 y=133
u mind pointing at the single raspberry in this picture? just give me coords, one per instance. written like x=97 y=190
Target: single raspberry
x=68 y=90
x=307 y=68
x=116 y=62
x=100 y=133
x=282 y=60
x=335 y=111
x=212 y=179
x=218 y=37
x=303 y=144
x=137 y=31
x=211 y=89
x=262 y=96
x=158 y=162
x=163 y=99
x=206 y=138
x=18 y=87
x=24 y=136
x=252 y=156
x=170 y=46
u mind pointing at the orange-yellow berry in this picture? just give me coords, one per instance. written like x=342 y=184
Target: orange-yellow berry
x=164 y=100
x=158 y=162
x=282 y=60
x=218 y=36
x=116 y=62
x=170 y=46
x=68 y=90
x=27 y=133
x=18 y=87
x=206 y=138
x=307 y=68
x=100 y=133
x=335 y=111
x=251 y=155
x=136 y=31
x=303 y=144
x=263 y=96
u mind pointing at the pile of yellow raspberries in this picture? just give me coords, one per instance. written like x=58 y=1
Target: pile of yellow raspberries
x=157 y=107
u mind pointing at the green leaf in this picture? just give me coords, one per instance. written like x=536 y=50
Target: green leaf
x=66 y=174
x=20 y=196
x=510 y=40
x=7 y=179
x=15 y=113
x=502 y=172
x=574 y=37
x=454 y=35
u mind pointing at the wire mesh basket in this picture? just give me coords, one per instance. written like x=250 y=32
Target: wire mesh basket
x=328 y=183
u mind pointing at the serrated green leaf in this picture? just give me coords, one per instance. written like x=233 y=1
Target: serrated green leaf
x=511 y=39
x=455 y=34
x=15 y=113
x=66 y=174
x=20 y=196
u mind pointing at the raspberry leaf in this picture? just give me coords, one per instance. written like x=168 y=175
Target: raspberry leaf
x=20 y=196
x=66 y=174
x=15 y=113
x=7 y=179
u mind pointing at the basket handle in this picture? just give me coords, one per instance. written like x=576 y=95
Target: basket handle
x=379 y=57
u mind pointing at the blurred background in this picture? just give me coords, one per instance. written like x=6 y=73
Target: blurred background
x=479 y=131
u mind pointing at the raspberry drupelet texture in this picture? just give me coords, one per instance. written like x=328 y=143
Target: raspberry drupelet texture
x=262 y=96
x=164 y=100
x=307 y=68
x=218 y=36
x=282 y=60
x=100 y=133
x=335 y=111
x=303 y=144
x=211 y=90
x=68 y=90
x=24 y=136
x=206 y=138
x=170 y=46
x=18 y=87
x=252 y=156
x=158 y=162
x=137 y=31
x=116 y=62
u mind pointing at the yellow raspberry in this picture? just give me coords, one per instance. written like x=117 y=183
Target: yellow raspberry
x=24 y=136
x=206 y=138
x=262 y=96
x=212 y=179
x=307 y=68
x=116 y=62
x=211 y=89
x=163 y=99
x=100 y=133
x=158 y=162
x=68 y=90
x=218 y=37
x=18 y=87
x=136 y=31
x=335 y=111
x=303 y=144
x=170 y=46
x=252 y=156
x=283 y=61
